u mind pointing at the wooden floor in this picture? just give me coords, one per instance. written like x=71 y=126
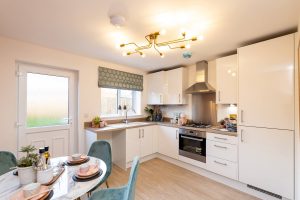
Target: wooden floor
x=160 y=180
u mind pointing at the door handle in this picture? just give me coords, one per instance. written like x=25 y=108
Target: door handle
x=219 y=94
x=242 y=135
x=242 y=116
x=220 y=146
x=220 y=163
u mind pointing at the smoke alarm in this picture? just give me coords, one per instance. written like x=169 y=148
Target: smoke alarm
x=187 y=54
x=117 y=20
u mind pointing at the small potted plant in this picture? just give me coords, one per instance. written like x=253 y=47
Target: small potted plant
x=150 y=111
x=97 y=122
x=25 y=165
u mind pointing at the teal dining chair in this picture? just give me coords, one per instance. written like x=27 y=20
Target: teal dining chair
x=126 y=192
x=7 y=160
x=101 y=149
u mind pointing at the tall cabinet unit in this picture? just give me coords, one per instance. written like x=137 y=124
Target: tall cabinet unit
x=167 y=87
x=226 y=76
x=266 y=115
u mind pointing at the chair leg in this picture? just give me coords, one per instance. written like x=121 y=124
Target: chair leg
x=89 y=194
x=106 y=183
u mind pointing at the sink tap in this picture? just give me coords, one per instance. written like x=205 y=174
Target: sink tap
x=126 y=113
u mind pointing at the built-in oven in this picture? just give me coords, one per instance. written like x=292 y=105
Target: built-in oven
x=192 y=144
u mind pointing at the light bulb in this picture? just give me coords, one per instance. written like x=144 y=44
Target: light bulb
x=188 y=45
x=124 y=54
x=162 y=32
x=200 y=37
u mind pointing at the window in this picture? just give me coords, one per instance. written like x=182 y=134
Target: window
x=47 y=100
x=112 y=98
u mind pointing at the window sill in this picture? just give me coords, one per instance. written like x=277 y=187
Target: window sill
x=117 y=117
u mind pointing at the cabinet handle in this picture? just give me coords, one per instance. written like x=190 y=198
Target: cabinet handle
x=220 y=138
x=242 y=135
x=219 y=95
x=220 y=147
x=220 y=163
x=139 y=133
x=242 y=116
x=179 y=98
x=143 y=132
x=176 y=134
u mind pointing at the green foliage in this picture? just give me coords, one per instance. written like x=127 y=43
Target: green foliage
x=96 y=120
x=30 y=158
x=149 y=110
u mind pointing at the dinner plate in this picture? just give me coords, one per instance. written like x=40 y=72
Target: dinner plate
x=19 y=195
x=94 y=169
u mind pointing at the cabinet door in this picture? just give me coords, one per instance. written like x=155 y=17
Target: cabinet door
x=156 y=88
x=226 y=80
x=155 y=138
x=266 y=159
x=132 y=143
x=146 y=140
x=266 y=84
x=168 y=143
x=174 y=84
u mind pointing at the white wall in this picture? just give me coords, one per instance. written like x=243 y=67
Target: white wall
x=89 y=93
x=297 y=128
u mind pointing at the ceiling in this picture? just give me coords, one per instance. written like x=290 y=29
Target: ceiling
x=83 y=27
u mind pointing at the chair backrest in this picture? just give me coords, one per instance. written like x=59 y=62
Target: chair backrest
x=130 y=193
x=7 y=160
x=101 y=149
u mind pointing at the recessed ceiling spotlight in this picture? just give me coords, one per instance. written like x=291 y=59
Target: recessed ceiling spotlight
x=117 y=20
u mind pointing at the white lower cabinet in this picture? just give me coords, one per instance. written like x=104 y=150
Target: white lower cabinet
x=139 y=142
x=266 y=159
x=222 y=154
x=168 y=142
x=222 y=167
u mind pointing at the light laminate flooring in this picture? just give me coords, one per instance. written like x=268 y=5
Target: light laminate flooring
x=161 y=180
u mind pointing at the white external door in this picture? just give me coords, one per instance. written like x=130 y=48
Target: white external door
x=46 y=108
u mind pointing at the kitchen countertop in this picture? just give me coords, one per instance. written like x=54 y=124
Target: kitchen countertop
x=123 y=126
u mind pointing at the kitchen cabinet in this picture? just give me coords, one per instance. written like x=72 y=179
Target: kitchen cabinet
x=157 y=88
x=167 y=87
x=266 y=159
x=176 y=84
x=139 y=142
x=226 y=78
x=266 y=84
x=222 y=155
x=168 y=142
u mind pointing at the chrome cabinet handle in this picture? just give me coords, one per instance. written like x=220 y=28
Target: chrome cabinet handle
x=176 y=134
x=220 y=147
x=219 y=138
x=179 y=98
x=190 y=138
x=242 y=135
x=242 y=116
x=220 y=163
x=139 y=133
x=143 y=132
x=219 y=94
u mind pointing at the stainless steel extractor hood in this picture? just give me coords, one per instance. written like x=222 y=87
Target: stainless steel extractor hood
x=201 y=85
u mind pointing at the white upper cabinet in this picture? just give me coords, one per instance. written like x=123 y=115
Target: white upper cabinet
x=176 y=84
x=266 y=84
x=157 y=88
x=226 y=78
x=167 y=87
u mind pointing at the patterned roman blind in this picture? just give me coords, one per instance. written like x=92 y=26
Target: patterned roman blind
x=111 y=78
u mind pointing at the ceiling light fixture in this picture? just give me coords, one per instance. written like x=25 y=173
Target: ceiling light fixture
x=152 y=42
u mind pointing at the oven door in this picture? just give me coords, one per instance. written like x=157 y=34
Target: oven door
x=192 y=147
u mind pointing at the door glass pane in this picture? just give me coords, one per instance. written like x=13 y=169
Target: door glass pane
x=47 y=100
x=109 y=101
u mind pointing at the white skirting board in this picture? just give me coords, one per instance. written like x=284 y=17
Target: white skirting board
x=226 y=181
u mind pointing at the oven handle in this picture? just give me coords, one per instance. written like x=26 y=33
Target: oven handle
x=190 y=138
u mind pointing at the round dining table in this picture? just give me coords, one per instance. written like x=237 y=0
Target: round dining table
x=64 y=188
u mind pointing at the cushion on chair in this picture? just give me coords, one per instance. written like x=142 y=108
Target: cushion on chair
x=7 y=160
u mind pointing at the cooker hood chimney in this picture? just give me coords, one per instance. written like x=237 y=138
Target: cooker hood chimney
x=201 y=85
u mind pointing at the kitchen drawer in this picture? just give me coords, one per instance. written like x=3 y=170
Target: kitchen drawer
x=222 y=138
x=222 y=167
x=222 y=150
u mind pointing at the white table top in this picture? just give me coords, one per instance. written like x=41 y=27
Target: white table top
x=64 y=188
